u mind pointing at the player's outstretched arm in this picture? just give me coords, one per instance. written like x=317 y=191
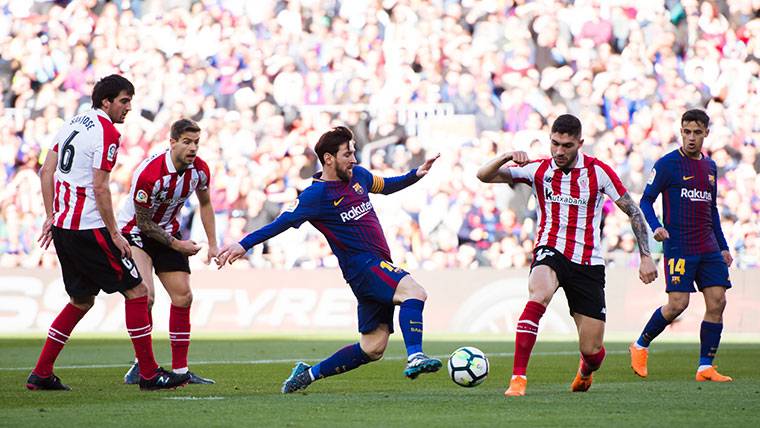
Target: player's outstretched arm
x=152 y=229
x=492 y=171
x=647 y=269
x=209 y=222
x=47 y=184
x=388 y=185
x=229 y=254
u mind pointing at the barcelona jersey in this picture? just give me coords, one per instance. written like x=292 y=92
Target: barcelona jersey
x=343 y=213
x=690 y=213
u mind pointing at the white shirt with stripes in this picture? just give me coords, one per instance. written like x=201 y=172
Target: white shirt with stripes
x=158 y=186
x=570 y=204
x=88 y=141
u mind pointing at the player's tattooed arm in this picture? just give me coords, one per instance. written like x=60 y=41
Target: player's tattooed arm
x=150 y=228
x=638 y=224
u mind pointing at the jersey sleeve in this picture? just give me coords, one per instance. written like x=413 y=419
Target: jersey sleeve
x=523 y=174
x=205 y=175
x=717 y=228
x=305 y=207
x=105 y=151
x=143 y=194
x=609 y=182
x=659 y=180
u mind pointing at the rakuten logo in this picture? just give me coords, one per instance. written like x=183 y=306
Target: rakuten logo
x=696 y=195
x=357 y=212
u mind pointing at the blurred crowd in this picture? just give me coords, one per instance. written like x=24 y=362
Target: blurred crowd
x=412 y=78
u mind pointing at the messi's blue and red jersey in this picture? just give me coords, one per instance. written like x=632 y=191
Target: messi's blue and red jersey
x=690 y=213
x=343 y=213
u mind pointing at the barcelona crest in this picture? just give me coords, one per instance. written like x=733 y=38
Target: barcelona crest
x=358 y=188
x=711 y=178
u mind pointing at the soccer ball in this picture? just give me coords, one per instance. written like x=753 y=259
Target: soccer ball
x=468 y=366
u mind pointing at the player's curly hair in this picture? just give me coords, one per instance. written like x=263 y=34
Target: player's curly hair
x=331 y=141
x=696 y=115
x=109 y=87
x=567 y=124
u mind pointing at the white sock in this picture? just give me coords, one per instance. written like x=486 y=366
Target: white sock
x=636 y=344
x=700 y=368
x=522 y=376
x=413 y=356
x=183 y=370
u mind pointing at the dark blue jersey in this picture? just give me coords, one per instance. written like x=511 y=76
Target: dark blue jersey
x=690 y=213
x=343 y=213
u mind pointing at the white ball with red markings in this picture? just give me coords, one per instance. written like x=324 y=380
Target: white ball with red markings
x=468 y=366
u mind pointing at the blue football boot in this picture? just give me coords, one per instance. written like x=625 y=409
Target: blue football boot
x=421 y=363
x=299 y=378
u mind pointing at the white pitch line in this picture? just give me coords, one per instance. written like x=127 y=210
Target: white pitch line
x=291 y=360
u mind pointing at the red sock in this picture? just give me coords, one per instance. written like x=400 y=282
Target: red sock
x=139 y=329
x=179 y=334
x=591 y=363
x=525 y=337
x=58 y=334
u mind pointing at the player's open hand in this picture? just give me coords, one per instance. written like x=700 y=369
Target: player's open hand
x=727 y=257
x=647 y=270
x=186 y=247
x=229 y=254
x=660 y=234
x=46 y=236
x=425 y=167
x=213 y=252
x=520 y=158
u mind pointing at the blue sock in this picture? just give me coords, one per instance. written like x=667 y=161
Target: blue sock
x=654 y=327
x=345 y=359
x=709 y=338
x=410 y=320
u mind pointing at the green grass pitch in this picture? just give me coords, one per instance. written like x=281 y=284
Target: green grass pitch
x=249 y=372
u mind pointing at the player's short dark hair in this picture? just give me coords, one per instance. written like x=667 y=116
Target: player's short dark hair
x=567 y=124
x=331 y=141
x=696 y=115
x=181 y=126
x=109 y=87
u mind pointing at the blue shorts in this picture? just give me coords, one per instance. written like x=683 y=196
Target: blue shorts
x=707 y=270
x=374 y=289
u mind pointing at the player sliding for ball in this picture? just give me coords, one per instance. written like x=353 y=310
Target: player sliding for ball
x=570 y=189
x=337 y=204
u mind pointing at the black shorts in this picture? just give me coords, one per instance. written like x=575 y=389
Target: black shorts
x=90 y=262
x=165 y=259
x=583 y=284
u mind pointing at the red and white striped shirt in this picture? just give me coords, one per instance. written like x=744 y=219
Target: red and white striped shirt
x=89 y=140
x=570 y=204
x=158 y=186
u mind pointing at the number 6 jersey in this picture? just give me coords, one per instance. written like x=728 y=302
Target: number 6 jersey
x=89 y=140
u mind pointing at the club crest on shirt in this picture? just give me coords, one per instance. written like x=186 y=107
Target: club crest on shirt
x=651 y=176
x=193 y=182
x=711 y=179
x=141 y=196
x=358 y=188
x=111 y=153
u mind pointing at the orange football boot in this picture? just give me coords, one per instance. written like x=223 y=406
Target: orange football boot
x=581 y=383
x=517 y=387
x=712 y=375
x=639 y=360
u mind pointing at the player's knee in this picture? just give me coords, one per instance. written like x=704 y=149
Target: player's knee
x=419 y=293
x=83 y=303
x=375 y=352
x=182 y=300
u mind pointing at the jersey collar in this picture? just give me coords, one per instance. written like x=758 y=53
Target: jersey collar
x=579 y=162
x=103 y=114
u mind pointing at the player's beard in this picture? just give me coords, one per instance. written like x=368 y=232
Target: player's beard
x=344 y=174
x=568 y=161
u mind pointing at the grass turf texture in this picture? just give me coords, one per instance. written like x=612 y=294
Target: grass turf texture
x=248 y=393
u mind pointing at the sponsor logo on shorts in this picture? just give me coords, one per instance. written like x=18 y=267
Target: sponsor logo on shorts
x=543 y=253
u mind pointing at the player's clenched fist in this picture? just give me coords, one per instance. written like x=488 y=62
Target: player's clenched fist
x=647 y=270
x=230 y=253
x=661 y=234
x=520 y=158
